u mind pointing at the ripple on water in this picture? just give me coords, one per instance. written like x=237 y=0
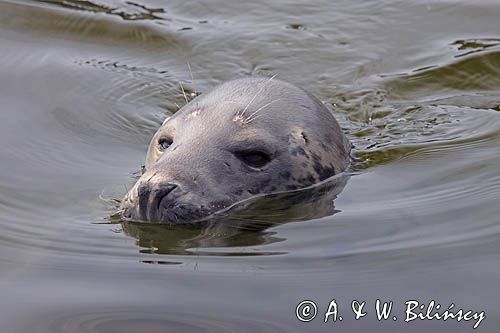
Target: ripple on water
x=84 y=84
x=475 y=45
x=45 y=21
x=127 y=10
x=123 y=321
x=390 y=123
x=477 y=71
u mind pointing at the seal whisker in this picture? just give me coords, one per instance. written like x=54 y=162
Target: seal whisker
x=258 y=93
x=109 y=200
x=192 y=80
x=249 y=118
x=183 y=92
x=246 y=121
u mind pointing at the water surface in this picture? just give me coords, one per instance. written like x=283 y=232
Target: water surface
x=85 y=84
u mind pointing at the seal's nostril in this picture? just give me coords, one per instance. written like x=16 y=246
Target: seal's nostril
x=143 y=191
x=162 y=192
x=127 y=214
x=150 y=195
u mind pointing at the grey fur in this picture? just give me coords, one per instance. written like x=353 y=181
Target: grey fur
x=200 y=174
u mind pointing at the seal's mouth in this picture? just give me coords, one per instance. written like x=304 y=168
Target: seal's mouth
x=161 y=197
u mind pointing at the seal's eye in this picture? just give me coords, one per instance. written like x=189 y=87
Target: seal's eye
x=256 y=159
x=164 y=143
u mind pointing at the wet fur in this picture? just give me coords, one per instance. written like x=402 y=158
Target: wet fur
x=307 y=144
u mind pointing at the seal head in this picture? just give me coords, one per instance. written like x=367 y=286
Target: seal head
x=246 y=137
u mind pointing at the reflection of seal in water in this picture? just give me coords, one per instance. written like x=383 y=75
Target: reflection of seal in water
x=246 y=137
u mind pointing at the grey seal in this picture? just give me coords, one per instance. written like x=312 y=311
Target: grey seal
x=244 y=138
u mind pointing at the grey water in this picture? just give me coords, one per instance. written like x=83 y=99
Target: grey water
x=84 y=85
